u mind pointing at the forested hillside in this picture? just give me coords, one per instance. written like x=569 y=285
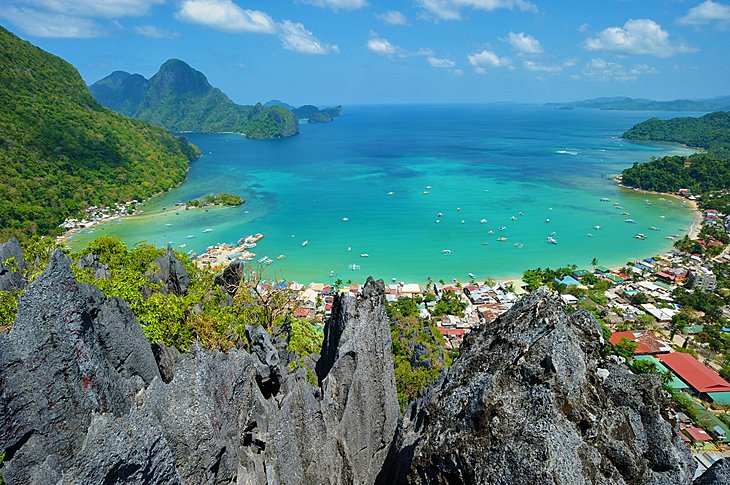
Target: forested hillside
x=61 y=151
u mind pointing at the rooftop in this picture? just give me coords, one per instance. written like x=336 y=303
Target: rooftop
x=694 y=373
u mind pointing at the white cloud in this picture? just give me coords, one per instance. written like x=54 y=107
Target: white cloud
x=524 y=44
x=296 y=38
x=392 y=17
x=338 y=4
x=705 y=13
x=382 y=46
x=49 y=24
x=487 y=58
x=155 y=32
x=458 y=72
x=539 y=67
x=441 y=63
x=603 y=70
x=640 y=36
x=451 y=9
x=225 y=15
x=96 y=8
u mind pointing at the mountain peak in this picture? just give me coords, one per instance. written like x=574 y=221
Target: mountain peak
x=177 y=76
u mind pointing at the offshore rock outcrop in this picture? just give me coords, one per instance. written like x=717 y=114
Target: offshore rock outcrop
x=532 y=400
x=82 y=399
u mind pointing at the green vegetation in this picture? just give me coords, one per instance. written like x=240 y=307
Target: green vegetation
x=61 y=151
x=180 y=98
x=449 y=304
x=418 y=354
x=305 y=337
x=217 y=199
x=701 y=173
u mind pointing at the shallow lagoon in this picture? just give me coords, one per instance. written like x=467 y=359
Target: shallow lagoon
x=515 y=166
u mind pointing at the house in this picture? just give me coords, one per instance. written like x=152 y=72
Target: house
x=700 y=377
x=674 y=383
x=567 y=281
x=661 y=314
x=647 y=342
x=697 y=434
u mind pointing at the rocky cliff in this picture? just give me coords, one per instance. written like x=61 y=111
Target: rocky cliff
x=84 y=398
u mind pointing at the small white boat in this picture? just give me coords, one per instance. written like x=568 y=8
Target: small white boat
x=551 y=240
x=189 y=236
x=391 y=193
x=428 y=186
x=304 y=243
x=490 y=232
x=652 y=228
x=662 y=217
x=503 y=228
x=332 y=273
x=471 y=275
x=183 y=246
x=483 y=221
x=425 y=192
x=353 y=267
x=518 y=245
x=630 y=221
x=364 y=255
x=208 y=230
x=519 y=213
x=440 y=214
x=501 y=239
x=345 y=219
x=513 y=218
x=437 y=221
x=458 y=209
x=626 y=214
x=462 y=221
x=168 y=224
x=281 y=256
x=349 y=248
x=640 y=236
x=590 y=235
x=446 y=251
x=605 y=199
x=596 y=227
x=547 y=221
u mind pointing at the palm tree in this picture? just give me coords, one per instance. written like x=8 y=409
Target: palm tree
x=594 y=262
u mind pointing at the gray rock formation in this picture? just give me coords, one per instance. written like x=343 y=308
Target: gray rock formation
x=172 y=275
x=531 y=400
x=91 y=261
x=83 y=401
x=12 y=265
x=230 y=277
x=718 y=474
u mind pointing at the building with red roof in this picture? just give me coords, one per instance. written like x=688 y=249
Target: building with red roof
x=698 y=434
x=647 y=342
x=700 y=377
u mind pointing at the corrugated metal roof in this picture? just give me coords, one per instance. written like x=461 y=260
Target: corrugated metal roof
x=694 y=373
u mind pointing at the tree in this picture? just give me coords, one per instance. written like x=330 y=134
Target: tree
x=679 y=322
x=625 y=348
x=594 y=262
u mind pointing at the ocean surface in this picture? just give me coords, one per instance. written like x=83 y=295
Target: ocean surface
x=516 y=166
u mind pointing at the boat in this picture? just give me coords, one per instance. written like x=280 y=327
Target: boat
x=189 y=236
x=332 y=273
x=519 y=213
x=590 y=235
x=503 y=228
x=596 y=227
x=428 y=187
x=471 y=275
x=547 y=221
x=518 y=245
x=640 y=236
x=605 y=199
x=462 y=221
x=662 y=217
x=425 y=192
x=183 y=246
x=266 y=260
x=458 y=209
x=490 y=232
x=446 y=251
x=281 y=256
x=208 y=230
x=168 y=224
x=551 y=240
x=630 y=221
x=391 y=193
x=652 y=228
x=437 y=221
x=501 y=239
x=304 y=243
x=483 y=221
x=345 y=219
x=364 y=255
x=513 y=218
x=440 y=215
x=349 y=248
x=353 y=267
x=626 y=214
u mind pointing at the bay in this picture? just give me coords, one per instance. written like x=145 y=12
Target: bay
x=514 y=165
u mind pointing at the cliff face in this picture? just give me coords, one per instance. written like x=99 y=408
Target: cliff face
x=85 y=399
x=82 y=399
x=531 y=400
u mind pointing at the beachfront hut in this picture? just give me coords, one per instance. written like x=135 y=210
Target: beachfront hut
x=580 y=273
x=700 y=377
x=567 y=281
x=601 y=270
x=614 y=278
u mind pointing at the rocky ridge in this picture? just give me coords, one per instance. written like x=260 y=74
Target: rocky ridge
x=84 y=398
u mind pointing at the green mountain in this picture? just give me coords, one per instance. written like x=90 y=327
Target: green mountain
x=61 y=151
x=701 y=172
x=180 y=98
x=639 y=104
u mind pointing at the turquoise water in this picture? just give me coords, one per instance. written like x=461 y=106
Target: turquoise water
x=482 y=162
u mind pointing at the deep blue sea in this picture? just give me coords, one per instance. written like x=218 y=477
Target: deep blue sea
x=515 y=166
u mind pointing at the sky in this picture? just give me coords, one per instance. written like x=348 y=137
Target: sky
x=399 y=51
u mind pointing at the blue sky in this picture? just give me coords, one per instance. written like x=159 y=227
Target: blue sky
x=400 y=51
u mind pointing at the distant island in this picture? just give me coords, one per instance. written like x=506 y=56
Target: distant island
x=309 y=112
x=221 y=199
x=61 y=152
x=640 y=104
x=705 y=176
x=179 y=98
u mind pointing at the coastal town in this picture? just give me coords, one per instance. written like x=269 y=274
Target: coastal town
x=652 y=310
